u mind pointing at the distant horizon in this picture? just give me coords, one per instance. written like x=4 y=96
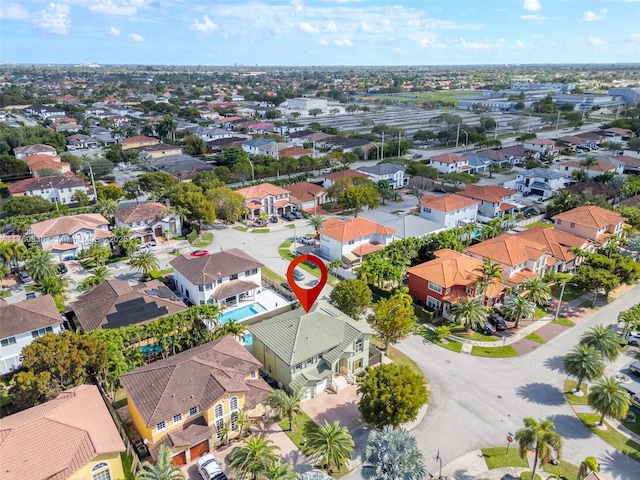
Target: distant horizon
x=308 y=33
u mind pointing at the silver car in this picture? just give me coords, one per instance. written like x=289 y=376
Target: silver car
x=209 y=468
x=634 y=367
x=633 y=338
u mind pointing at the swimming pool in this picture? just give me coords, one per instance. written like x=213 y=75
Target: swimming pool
x=242 y=313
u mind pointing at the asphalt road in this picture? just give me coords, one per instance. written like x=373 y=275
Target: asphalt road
x=476 y=401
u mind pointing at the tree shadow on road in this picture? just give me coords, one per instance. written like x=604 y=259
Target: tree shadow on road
x=555 y=364
x=570 y=426
x=617 y=464
x=541 y=393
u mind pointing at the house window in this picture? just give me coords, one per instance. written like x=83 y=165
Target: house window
x=253 y=374
x=433 y=303
x=426 y=210
x=219 y=428
x=177 y=418
x=309 y=362
x=573 y=225
x=201 y=288
x=193 y=411
x=41 y=332
x=8 y=341
x=218 y=411
x=234 y=421
x=233 y=403
x=469 y=291
x=435 y=287
x=101 y=472
x=351 y=242
x=233 y=277
x=253 y=271
x=161 y=426
x=559 y=222
x=298 y=367
x=358 y=346
x=357 y=365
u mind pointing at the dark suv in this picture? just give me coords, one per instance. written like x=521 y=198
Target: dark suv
x=497 y=321
x=487 y=328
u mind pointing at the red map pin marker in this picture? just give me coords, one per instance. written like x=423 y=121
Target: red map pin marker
x=307 y=296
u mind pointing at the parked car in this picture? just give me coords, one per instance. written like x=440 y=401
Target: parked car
x=416 y=156
x=290 y=216
x=298 y=275
x=31 y=295
x=635 y=400
x=273 y=219
x=209 y=468
x=325 y=171
x=633 y=338
x=62 y=268
x=152 y=246
x=25 y=277
x=286 y=286
x=307 y=240
x=497 y=320
x=440 y=190
x=487 y=329
x=634 y=367
x=296 y=214
x=200 y=253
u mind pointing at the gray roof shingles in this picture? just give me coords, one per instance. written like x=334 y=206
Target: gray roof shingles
x=208 y=269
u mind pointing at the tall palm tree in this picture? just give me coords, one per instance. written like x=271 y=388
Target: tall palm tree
x=144 y=262
x=232 y=327
x=41 y=265
x=289 y=405
x=256 y=455
x=316 y=222
x=334 y=264
x=490 y=273
x=585 y=363
x=588 y=163
x=536 y=290
x=11 y=252
x=167 y=127
x=280 y=471
x=518 y=308
x=54 y=285
x=393 y=455
x=609 y=398
x=98 y=275
x=469 y=312
x=588 y=465
x=604 y=340
x=542 y=439
x=331 y=445
x=107 y=207
x=164 y=469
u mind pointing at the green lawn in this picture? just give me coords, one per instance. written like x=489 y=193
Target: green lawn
x=566 y=469
x=569 y=386
x=633 y=426
x=285 y=245
x=540 y=313
x=539 y=224
x=302 y=423
x=126 y=466
x=570 y=292
x=120 y=398
x=159 y=274
x=240 y=228
x=431 y=336
x=565 y=322
x=291 y=226
x=494 y=352
x=271 y=275
x=458 y=331
x=203 y=240
x=534 y=337
x=612 y=436
x=497 y=457
x=527 y=476
x=5 y=293
x=260 y=230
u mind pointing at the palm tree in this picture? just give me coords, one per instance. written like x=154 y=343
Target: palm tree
x=542 y=439
x=588 y=465
x=334 y=264
x=280 y=471
x=469 y=312
x=588 y=163
x=256 y=455
x=97 y=253
x=11 y=252
x=393 y=455
x=584 y=362
x=316 y=475
x=316 y=222
x=232 y=327
x=107 y=207
x=54 y=285
x=41 y=265
x=536 y=290
x=609 y=398
x=129 y=245
x=289 y=405
x=518 y=307
x=144 y=262
x=167 y=127
x=489 y=273
x=164 y=469
x=331 y=445
x=98 y=275
x=604 y=340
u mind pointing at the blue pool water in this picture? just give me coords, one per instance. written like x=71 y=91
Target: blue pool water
x=242 y=313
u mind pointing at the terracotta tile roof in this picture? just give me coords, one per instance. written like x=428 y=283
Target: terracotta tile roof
x=504 y=206
x=69 y=225
x=488 y=193
x=449 y=158
x=28 y=315
x=208 y=269
x=36 y=162
x=261 y=191
x=294 y=152
x=600 y=166
x=367 y=248
x=447 y=203
x=43 y=183
x=509 y=249
x=115 y=303
x=56 y=439
x=305 y=191
x=345 y=174
x=254 y=204
x=554 y=241
x=448 y=269
x=141 y=213
x=354 y=228
x=33 y=149
x=139 y=139
x=591 y=216
x=61 y=247
x=539 y=141
x=197 y=377
x=522 y=276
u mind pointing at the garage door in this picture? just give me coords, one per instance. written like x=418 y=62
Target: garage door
x=199 y=450
x=322 y=386
x=180 y=459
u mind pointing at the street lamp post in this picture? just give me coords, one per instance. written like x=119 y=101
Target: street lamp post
x=55 y=196
x=564 y=285
x=466 y=141
x=253 y=177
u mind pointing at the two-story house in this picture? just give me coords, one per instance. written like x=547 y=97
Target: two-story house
x=315 y=351
x=600 y=167
x=450 y=163
x=260 y=146
x=353 y=239
x=138 y=141
x=589 y=221
x=38 y=162
x=187 y=401
x=267 y=198
x=38 y=149
x=495 y=201
x=541 y=147
x=149 y=221
x=66 y=237
x=226 y=278
x=21 y=323
x=71 y=437
x=81 y=141
x=307 y=196
x=55 y=189
x=449 y=210
x=331 y=178
x=519 y=257
x=451 y=276
x=540 y=182
x=394 y=174
x=160 y=150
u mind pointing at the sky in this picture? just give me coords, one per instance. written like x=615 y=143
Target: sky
x=319 y=32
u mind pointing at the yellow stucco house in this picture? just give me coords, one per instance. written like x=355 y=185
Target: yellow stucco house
x=188 y=401
x=71 y=437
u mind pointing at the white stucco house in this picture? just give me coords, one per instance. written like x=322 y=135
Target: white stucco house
x=353 y=239
x=21 y=323
x=495 y=201
x=60 y=189
x=450 y=163
x=394 y=174
x=539 y=182
x=449 y=210
x=541 y=147
x=228 y=278
x=149 y=221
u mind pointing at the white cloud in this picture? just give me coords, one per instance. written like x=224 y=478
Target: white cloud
x=114 y=31
x=534 y=17
x=365 y=27
x=635 y=36
x=428 y=43
x=207 y=26
x=136 y=38
x=323 y=42
x=122 y=7
x=13 y=11
x=532 y=5
x=591 y=16
x=297 y=5
x=308 y=28
x=344 y=42
x=332 y=27
x=595 y=41
x=485 y=44
x=54 y=19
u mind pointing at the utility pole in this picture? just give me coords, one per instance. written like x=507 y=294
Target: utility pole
x=382 y=150
x=399 y=139
x=93 y=183
x=557 y=123
x=458 y=136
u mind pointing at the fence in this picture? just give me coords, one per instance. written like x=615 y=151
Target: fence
x=530 y=220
